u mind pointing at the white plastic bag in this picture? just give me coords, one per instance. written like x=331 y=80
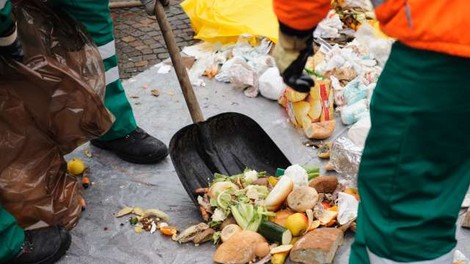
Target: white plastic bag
x=347 y=208
x=271 y=84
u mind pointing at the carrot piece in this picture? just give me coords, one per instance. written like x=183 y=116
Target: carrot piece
x=86 y=181
x=204 y=214
x=168 y=230
x=201 y=190
x=83 y=203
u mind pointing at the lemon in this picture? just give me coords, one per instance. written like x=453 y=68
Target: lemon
x=296 y=223
x=75 y=166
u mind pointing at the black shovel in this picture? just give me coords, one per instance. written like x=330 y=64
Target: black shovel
x=226 y=143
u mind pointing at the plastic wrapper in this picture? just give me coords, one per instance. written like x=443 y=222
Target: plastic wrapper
x=346 y=157
x=350 y=114
x=329 y=27
x=363 y=4
x=460 y=258
x=49 y=105
x=359 y=131
x=379 y=46
x=355 y=91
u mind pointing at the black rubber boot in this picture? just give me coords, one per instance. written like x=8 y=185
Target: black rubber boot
x=137 y=147
x=43 y=246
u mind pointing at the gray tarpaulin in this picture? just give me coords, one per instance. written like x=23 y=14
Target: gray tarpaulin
x=101 y=238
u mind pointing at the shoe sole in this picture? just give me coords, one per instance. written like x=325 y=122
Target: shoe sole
x=59 y=254
x=132 y=159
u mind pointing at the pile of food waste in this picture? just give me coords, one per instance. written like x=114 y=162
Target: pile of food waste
x=253 y=217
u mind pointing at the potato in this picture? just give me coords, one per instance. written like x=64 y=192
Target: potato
x=302 y=198
x=261 y=181
x=324 y=184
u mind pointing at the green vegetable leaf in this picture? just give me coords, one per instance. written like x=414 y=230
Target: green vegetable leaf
x=216 y=237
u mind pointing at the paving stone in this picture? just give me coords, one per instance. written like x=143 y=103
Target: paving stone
x=125 y=49
x=142 y=47
x=128 y=39
x=128 y=64
x=141 y=63
x=146 y=29
x=147 y=21
x=163 y=56
x=149 y=57
x=148 y=41
x=147 y=51
x=139 y=41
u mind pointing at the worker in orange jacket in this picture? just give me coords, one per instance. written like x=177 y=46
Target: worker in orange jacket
x=415 y=168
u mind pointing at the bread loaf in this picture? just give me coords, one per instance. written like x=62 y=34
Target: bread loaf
x=318 y=246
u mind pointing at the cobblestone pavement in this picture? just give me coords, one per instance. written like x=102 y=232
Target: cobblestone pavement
x=139 y=42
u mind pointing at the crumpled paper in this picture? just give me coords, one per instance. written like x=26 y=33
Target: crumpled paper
x=346 y=157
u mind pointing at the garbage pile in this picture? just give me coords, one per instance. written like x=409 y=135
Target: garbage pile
x=245 y=64
x=256 y=218
x=350 y=52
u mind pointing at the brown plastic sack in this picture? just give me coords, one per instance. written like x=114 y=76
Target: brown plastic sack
x=49 y=105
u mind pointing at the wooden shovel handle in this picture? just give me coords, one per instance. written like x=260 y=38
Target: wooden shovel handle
x=181 y=73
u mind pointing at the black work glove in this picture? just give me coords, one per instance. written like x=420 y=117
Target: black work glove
x=10 y=45
x=150 y=5
x=291 y=53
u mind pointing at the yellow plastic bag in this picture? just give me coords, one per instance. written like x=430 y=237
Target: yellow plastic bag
x=223 y=21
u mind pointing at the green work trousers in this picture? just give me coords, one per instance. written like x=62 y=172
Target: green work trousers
x=415 y=168
x=96 y=18
x=11 y=236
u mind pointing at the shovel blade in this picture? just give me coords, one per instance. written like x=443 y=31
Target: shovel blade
x=227 y=143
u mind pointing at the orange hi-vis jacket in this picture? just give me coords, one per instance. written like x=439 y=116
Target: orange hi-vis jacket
x=437 y=25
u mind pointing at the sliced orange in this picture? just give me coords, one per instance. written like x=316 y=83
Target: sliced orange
x=333 y=208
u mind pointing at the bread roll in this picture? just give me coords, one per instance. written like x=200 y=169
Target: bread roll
x=279 y=193
x=239 y=249
x=302 y=198
x=319 y=130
